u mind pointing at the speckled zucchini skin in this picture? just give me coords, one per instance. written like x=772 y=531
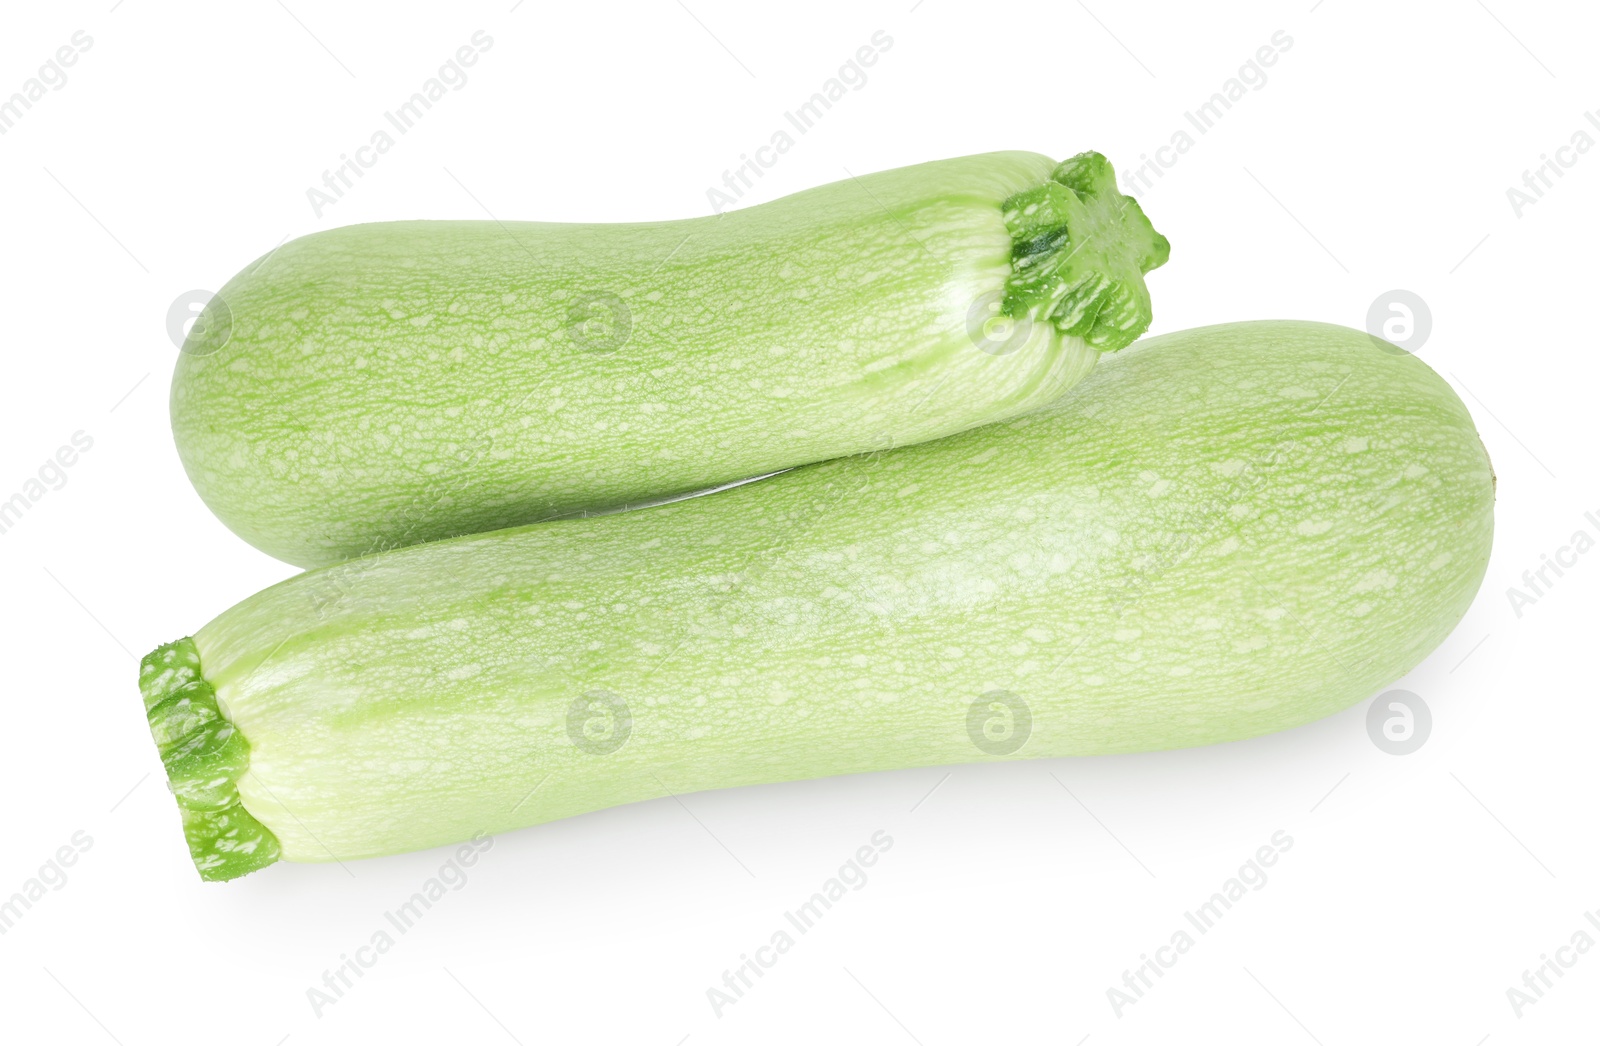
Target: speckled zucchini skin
x=1223 y=532
x=374 y=386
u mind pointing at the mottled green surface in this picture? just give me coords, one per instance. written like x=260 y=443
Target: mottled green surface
x=1224 y=532
x=378 y=385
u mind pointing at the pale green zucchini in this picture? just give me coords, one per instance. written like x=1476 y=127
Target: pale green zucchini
x=1223 y=532
x=379 y=385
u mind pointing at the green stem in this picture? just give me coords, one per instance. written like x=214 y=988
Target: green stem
x=1080 y=251
x=204 y=756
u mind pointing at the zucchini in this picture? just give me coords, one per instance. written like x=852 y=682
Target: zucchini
x=1223 y=532
x=379 y=385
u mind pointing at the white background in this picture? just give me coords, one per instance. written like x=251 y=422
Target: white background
x=1377 y=155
